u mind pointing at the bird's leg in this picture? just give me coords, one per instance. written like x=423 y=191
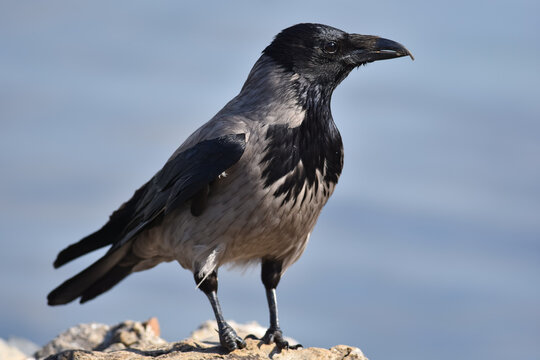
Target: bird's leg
x=270 y=275
x=227 y=336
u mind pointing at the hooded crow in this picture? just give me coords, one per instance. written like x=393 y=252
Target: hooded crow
x=247 y=186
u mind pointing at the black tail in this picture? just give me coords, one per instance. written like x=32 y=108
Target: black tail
x=103 y=237
x=106 y=282
x=111 y=232
x=95 y=279
x=107 y=271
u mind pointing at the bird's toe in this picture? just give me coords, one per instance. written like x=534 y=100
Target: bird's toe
x=230 y=340
x=275 y=336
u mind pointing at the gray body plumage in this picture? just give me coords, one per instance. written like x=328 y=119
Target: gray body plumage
x=244 y=221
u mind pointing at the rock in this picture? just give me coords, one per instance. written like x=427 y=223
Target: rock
x=10 y=352
x=17 y=348
x=153 y=323
x=100 y=337
x=133 y=340
x=84 y=336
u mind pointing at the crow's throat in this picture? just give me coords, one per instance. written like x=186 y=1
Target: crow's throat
x=298 y=153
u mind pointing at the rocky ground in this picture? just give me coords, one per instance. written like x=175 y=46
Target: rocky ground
x=136 y=340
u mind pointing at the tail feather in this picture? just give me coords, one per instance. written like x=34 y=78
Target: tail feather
x=97 y=240
x=106 y=282
x=110 y=233
x=77 y=285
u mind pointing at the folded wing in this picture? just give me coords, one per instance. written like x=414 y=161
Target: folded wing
x=183 y=178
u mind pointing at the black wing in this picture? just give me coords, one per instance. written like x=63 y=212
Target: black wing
x=181 y=179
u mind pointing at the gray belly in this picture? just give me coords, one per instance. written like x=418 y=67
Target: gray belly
x=243 y=222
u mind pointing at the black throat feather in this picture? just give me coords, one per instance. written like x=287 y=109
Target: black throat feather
x=298 y=153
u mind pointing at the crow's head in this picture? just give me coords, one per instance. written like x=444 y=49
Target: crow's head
x=326 y=55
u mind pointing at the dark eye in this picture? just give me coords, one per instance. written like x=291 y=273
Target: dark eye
x=330 y=47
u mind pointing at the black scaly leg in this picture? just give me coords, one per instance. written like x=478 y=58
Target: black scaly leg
x=227 y=336
x=270 y=275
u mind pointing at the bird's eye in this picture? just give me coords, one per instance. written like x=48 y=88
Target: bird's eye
x=330 y=47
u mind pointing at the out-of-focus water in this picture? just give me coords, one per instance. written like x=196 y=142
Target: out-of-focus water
x=430 y=247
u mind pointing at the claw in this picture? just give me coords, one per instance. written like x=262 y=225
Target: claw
x=230 y=340
x=274 y=335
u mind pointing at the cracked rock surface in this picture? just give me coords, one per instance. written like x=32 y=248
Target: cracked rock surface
x=136 y=340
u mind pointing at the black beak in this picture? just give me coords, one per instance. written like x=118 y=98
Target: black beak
x=368 y=48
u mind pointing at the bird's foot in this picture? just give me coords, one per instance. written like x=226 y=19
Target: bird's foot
x=275 y=335
x=229 y=339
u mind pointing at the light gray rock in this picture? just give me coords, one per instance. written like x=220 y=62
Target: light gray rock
x=101 y=337
x=26 y=346
x=84 y=337
x=10 y=352
x=133 y=340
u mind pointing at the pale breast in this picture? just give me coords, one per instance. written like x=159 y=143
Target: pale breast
x=247 y=217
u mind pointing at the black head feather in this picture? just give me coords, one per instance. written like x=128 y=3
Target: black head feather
x=314 y=51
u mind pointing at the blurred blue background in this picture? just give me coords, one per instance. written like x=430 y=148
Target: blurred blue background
x=430 y=246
